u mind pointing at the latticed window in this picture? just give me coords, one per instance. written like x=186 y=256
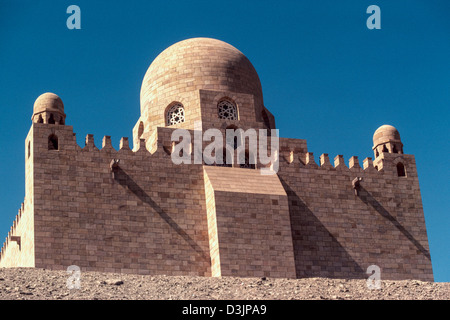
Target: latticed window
x=175 y=114
x=227 y=110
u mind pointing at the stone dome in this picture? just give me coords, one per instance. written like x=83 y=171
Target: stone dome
x=193 y=64
x=48 y=102
x=386 y=133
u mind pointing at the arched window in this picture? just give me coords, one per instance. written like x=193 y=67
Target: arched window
x=385 y=149
x=140 y=129
x=401 y=172
x=40 y=120
x=175 y=114
x=52 y=142
x=51 y=120
x=227 y=110
x=394 y=150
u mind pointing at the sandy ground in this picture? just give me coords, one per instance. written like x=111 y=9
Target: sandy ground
x=40 y=284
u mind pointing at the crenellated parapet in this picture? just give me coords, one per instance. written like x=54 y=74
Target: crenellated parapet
x=293 y=153
x=14 y=237
x=389 y=157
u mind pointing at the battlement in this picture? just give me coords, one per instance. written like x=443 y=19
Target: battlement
x=18 y=248
x=307 y=161
x=11 y=234
x=292 y=152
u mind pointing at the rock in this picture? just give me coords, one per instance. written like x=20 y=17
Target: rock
x=115 y=282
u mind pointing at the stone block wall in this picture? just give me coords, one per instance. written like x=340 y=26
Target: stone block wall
x=339 y=234
x=250 y=214
x=146 y=217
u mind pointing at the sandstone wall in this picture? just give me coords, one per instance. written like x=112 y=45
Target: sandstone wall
x=148 y=218
x=339 y=234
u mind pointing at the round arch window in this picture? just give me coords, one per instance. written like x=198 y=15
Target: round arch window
x=175 y=114
x=227 y=110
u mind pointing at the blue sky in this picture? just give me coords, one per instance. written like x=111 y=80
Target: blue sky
x=325 y=77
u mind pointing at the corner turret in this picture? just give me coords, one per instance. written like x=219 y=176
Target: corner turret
x=387 y=139
x=49 y=108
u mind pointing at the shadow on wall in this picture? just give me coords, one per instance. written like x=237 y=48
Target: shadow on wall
x=317 y=253
x=126 y=181
x=369 y=200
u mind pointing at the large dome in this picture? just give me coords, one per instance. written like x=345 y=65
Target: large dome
x=193 y=64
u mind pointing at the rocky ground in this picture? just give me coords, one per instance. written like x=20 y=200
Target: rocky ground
x=22 y=283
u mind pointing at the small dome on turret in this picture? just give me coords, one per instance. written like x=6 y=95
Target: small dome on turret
x=386 y=133
x=387 y=139
x=48 y=108
x=48 y=101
